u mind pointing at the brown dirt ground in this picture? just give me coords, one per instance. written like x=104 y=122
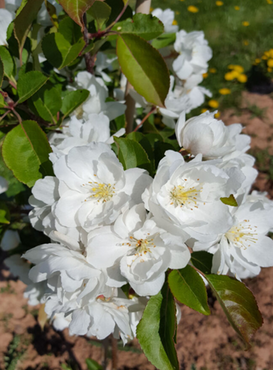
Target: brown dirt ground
x=203 y=343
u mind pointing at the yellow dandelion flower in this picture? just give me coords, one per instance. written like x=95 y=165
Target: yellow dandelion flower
x=237 y=7
x=270 y=63
x=230 y=66
x=212 y=70
x=229 y=76
x=213 y=103
x=267 y=53
x=269 y=69
x=219 y=3
x=238 y=68
x=224 y=91
x=264 y=57
x=193 y=9
x=246 y=42
x=257 y=61
x=151 y=9
x=174 y=23
x=242 y=78
x=245 y=23
x=269 y=1
x=205 y=75
x=217 y=114
x=270 y=52
x=203 y=110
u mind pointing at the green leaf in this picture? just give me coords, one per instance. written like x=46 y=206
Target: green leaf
x=1 y=72
x=144 y=25
x=2 y=101
x=131 y=154
x=203 y=261
x=4 y=213
x=52 y=13
x=70 y=30
x=47 y=102
x=144 y=142
x=93 y=365
x=144 y=67
x=164 y=40
x=23 y=21
x=188 y=288
x=168 y=325
x=7 y=62
x=116 y=7
x=58 y=51
x=76 y=9
x=29 y=162
x=230 y=201
x=160 y=149
x=28 y=84
x=239 y=305
x=148 y=333
x=72 y=100
x=100 y=12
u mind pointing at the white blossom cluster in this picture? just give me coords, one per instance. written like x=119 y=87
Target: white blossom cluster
x=114 y=232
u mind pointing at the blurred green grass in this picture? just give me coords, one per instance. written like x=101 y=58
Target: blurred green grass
x=230 y=40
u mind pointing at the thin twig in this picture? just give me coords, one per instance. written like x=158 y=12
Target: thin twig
x=89 y=60
x=114 y=353
x=145 y=118
x=118 y=17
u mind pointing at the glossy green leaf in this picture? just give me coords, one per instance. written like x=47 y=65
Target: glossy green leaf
x=76 y=9
x=164 y=40
x=202 y=261
x=93 y=365
x=7 y=62
x=58 y=51
x=188 y=288
x=4 y=213
x=72 y=100
x=1 y=72
x=70 y=30
x=116 y=8
x=2 y=101
x=47 y=102
x=24 y=19
x=29 y=83
x=144 y=67
x=144 y=25
x=29 y=162
x=148 y=334
x=131 y=154
x=230 y=201
x=100 y=12
x=52 y=13
x=168 y=325
x=239 y=305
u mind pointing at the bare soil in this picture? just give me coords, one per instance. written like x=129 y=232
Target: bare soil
x=203 y=343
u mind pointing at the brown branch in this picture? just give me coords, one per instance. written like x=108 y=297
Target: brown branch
x=89 y=60
x=145 y=118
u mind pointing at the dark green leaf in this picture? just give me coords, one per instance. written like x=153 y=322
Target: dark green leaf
x=52 y=13
x=148 y=334
x=203 y=261
x=29 y=162
x=47 y=102
x=76 y=9
x=144 y=25
x=70 y=30
x=2 y=101
x=58 y=51
x=188 y=288
x=100 y=12
x=4 y=213
x=230 y=201
x=142 y=65
x=7 y=62
x=164 y=40
x=239 y=305
x=1 y=72
x=23 y=21
x=144 y=142
x=29 y=84
x=116 y=8
x=93 y=365
x=72 y=100
x=131 y=154
x=160 y=149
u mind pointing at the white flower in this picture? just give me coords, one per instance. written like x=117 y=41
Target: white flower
x=210 y=137
x=10 y=240
x=139 y=249
x=6 y=17
x=3 y=185
x=94 y=187
x=167 y=18
x=244 y=248
x=79 y=132
x=194 y=54
x=98 y=94
x=103 y=62
x=188 y=195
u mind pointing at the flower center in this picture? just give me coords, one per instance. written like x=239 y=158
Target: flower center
x=142 y=245
x=242 y=235
x=102 y=192
x=181 y=195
